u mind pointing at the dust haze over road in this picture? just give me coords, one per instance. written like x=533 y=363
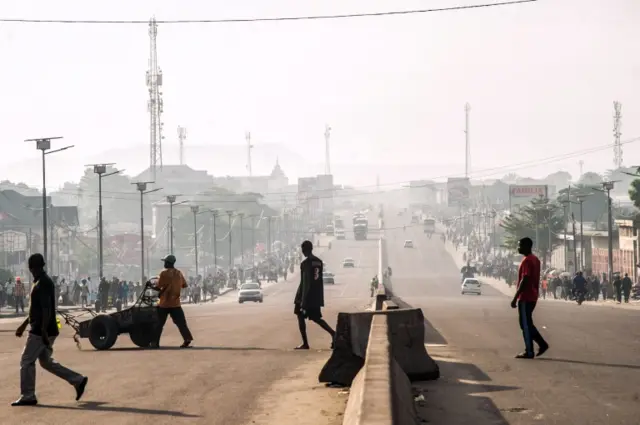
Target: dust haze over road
x=587 y=377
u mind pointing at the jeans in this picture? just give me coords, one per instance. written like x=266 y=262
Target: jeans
x=529 y=330
x=34 y=349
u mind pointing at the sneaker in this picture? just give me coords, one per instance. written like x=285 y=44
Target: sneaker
x=524 y=355
x=542 y=350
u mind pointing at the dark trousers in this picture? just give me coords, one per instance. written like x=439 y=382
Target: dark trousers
x=177 y=315
x=529 y=330
x=618 y=294
x=20 y=304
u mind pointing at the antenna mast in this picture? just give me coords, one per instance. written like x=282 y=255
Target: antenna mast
x=467 y=145
x=247 y=137
x=327 y=155
x=617 y=126
x=182 y=136
x=155 y=106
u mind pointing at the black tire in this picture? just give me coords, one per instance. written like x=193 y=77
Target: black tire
x=97 y=306
x=260 y=300
x=103 y=332
x=142 y=334
x=118 y=304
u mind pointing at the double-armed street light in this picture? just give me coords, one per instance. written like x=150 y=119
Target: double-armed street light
x=44 y=145
x=142 y=188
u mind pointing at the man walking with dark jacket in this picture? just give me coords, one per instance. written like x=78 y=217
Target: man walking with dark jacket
x=309 y=298
x=44 y=330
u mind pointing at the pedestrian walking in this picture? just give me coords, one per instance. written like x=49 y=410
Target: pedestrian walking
x=19 y=293
x=309 y=298
x=170 y=284
x=43 y=333
x=526 y=298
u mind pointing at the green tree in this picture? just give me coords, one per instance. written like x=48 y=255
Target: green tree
x=634 y=192
x=540 y=214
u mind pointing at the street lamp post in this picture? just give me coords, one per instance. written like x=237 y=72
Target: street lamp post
x=171 y=199
x=44 y=144
x=230 y=214
x=269 y=237
x=194 y=210
x=142 y=188
x=581 y=199
x=101 y=171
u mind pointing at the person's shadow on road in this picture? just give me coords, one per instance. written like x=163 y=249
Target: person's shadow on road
x=551 y=359
x=101 y=406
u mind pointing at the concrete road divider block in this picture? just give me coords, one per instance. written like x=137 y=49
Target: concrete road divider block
x=407 y=336
x=381 y=392
x=344 y=364
x=389 y=305
x=405 y=332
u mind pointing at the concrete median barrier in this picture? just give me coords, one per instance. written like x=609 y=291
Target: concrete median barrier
x=405 y=332
x=381 y=392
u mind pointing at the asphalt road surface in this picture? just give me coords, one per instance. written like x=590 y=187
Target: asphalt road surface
x=242 y=365
x=590 y=374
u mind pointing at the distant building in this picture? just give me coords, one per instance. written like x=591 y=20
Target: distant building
x=273 y=187
x=178 y=179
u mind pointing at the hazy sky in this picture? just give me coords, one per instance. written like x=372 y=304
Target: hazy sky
x=540 y=77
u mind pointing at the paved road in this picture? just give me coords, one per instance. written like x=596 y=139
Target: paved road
x=589 y=376
x=241 y=371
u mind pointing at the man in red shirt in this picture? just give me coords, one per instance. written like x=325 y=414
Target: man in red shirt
x=526 y=298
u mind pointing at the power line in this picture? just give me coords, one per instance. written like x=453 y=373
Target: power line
x=274 y=19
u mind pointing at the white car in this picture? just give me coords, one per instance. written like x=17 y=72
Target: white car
x=348 y=262
x=328 y=278
x=408 y=244
x=340 y=235
x=471 y=286
x=250 y=292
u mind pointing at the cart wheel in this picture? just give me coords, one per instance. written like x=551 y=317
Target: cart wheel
x=103 y=332
x=97 y=305
x=118 y=304
x=142 y=334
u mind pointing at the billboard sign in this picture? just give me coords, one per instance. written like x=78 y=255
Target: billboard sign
x=521 y=195
x=458 y=191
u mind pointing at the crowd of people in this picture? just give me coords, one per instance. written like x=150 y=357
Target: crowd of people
x=487 y=260
x=118 y=293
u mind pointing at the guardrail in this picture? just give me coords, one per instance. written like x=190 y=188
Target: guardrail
x=379 y=353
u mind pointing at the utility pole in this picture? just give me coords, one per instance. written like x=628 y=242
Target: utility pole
x=247 y=137
x=253 y=241
x=565 y=204
x=608 y=187
x=581 y=199
x=194 y=210
x=581 y=164
x=155 y=104
x=230 y=214
x=327 y=154
x=617 y=126
x=182 y=136
x=142 y=188
x=241 y=215
x=575 y=251
x=101 y=171
x=467 y=146
x=44 y=145
x=214 y=242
